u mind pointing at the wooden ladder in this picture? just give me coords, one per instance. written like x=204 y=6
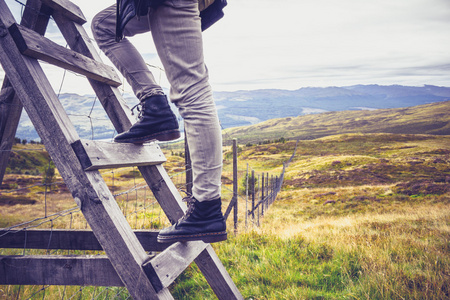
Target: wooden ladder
x=127 y=262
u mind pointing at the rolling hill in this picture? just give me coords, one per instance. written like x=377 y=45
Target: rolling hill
x=242 y=108
x=431 y=118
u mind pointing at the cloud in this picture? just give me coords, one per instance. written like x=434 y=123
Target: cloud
x=290 y=44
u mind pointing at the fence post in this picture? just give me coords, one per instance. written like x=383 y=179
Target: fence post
x=262 y=195
x=272 y=184
x=253 y=195
x=235 y=184
x=267 y=189
x=188 y=166
x=276 y=188
x=246 y=198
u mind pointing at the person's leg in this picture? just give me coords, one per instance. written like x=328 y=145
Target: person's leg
x=124 y=55
x=178 y=38
x=156 y=120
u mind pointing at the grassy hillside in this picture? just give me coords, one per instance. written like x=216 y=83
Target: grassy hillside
x=432 y=118
x=360 y=216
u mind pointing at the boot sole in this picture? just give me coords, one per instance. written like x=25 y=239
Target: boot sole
x=163 y=136
x=210 y=237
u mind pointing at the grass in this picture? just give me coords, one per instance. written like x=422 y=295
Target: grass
x=360 y=216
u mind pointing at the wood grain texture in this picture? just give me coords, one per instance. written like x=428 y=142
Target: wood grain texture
x=168 y=265
x=62 y=239
x=68 y=9
x=35 y=45
x=216 y=275
x=58 y=270
x=88 y=188
x=95 y=155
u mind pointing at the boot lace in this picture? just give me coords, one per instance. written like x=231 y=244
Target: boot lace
x=139 y=107
x=190 y=200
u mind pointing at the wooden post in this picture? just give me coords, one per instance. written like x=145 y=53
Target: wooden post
x=36 y=17
x=253 y=195
x=267 y=189
x=262 y=195
x=246 y=198
x=235 y=184
x=187 y=158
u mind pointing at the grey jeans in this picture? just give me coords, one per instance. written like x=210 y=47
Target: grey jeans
x=175 y=27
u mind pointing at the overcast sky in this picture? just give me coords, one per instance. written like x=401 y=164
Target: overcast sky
x=289 y=44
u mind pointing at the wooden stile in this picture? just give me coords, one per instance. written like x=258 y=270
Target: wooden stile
x=126 y=262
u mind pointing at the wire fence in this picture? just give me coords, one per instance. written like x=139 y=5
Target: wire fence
x=140 y=209
x=44 y=202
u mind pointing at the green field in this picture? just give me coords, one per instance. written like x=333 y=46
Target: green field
x=360 y=216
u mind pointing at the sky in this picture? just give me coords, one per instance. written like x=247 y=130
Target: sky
x=290 y=44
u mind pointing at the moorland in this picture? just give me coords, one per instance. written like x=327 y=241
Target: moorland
x=363 y=212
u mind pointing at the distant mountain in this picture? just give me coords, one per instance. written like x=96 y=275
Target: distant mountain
x=241 y=108
x=431 y=118
x=251 y=107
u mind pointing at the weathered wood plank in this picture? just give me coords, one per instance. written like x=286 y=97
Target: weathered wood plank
x=168 y=265
x=61 y=239
x=35 y=45
x=95 y=155
x=36 y=17
x=58 y=270
x=67 y=9
x=216 y=275
x=10 y=111
x=88 y=188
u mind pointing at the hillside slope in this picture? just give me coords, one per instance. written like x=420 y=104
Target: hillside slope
x=431 y=118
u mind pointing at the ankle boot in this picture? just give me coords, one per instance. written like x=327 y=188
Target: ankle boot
x=203 y=221
x=156 y=122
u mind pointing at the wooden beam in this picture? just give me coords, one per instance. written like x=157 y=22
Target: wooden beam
x=68 y=9
x=217 y=276
x=10 y=112
x=61 y=239
x=58 y=270
x=88 y=187
x=35 y=45
x=94 y=155
x=168 y=265
x=36 y=17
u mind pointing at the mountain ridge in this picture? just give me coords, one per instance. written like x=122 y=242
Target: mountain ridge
x=250 y=107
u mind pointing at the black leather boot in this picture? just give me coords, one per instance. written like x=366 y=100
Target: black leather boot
x=156 y=122
x=203 y=221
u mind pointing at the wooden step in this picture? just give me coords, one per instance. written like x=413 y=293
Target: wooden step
x=37 y=46
x=94 y=155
